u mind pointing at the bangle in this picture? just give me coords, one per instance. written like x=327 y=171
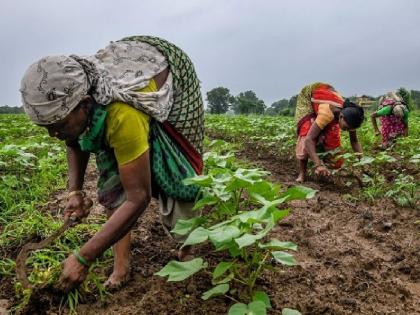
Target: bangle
x=80 y=259
x=76 y=192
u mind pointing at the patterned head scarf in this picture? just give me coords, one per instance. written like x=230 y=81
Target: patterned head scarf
x=53 y=86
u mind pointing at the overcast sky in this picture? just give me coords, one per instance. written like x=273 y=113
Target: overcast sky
x=272 y=47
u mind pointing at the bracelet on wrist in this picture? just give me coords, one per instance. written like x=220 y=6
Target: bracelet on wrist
x=80 y=258
x=76 y=192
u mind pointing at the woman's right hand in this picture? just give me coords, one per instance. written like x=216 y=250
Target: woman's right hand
x=321 y=170
x=77 y=207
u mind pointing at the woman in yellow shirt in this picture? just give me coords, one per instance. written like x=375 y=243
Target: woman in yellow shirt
x=137 y=106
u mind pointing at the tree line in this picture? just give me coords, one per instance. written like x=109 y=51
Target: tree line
x=11 y=110
x=220 y=101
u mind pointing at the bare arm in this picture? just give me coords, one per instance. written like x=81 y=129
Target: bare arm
x=374 y=123
x=355 y=142
x=310 y=141
x=136 y=180
x=77 y=161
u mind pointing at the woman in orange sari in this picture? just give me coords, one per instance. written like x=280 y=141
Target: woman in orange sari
x=321 y=113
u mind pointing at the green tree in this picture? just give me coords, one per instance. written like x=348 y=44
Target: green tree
x=248 y=103
x=292 y=105
x=278 y=107
x=11 y=110
x=415 y=97
x=219 y=100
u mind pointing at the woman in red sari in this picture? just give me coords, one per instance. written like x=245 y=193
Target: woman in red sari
x=321 y=113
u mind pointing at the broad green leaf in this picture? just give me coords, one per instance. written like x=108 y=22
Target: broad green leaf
x=267 y=190
x=364 y=161
x=263 y=297
x=253 y=308
x=178 y=271
x=217 y=290
x=415 y=158
x=223 y=234
x=289 y=311
x=221 y=268
x=299 y=192
x=238 y=183
x=238 y=309
x=234 y=250
x=226 y=246
x=284 y=258
x=183 y=227
x=257 y=308
x=220 y=192
x=279 y=214
x=259 y=197
x=261 y=215
x=201 y=180
x=247 y=240
x=254 y=214
x=276 y=244
x=205 y=201
x=347 y=155
x=197 y=236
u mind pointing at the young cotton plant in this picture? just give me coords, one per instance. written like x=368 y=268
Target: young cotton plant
x=227 y=188
x=245 y=210
x=404 y=191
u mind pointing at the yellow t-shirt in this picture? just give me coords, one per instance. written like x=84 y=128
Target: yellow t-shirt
x=127 y=129
x=324 y=116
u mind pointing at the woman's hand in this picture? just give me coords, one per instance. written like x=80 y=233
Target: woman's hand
x=73 y=274
x=321 y=170
x=77 y=207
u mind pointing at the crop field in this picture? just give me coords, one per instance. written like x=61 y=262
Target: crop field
x=349 y=244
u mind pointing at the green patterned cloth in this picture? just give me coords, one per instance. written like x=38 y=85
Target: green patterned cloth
x=187 y=112
x=170 y=167
x=91 y=140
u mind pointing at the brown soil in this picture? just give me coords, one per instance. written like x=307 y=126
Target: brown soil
x=353 y=258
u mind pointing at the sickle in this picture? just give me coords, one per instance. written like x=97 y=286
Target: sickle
x=29 y=247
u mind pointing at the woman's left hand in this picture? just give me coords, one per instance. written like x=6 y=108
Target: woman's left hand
x=73 y=274
x=321 y=170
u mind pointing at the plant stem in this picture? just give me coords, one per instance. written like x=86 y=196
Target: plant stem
x=255 y=274
x=233 y=299
x=238 y=200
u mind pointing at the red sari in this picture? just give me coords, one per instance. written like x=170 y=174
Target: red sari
x=329 y=139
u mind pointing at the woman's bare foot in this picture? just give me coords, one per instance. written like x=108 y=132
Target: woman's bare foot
x=117 y=280
x=186 y=253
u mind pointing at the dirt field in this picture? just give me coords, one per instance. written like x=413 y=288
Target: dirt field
x=354 y=258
